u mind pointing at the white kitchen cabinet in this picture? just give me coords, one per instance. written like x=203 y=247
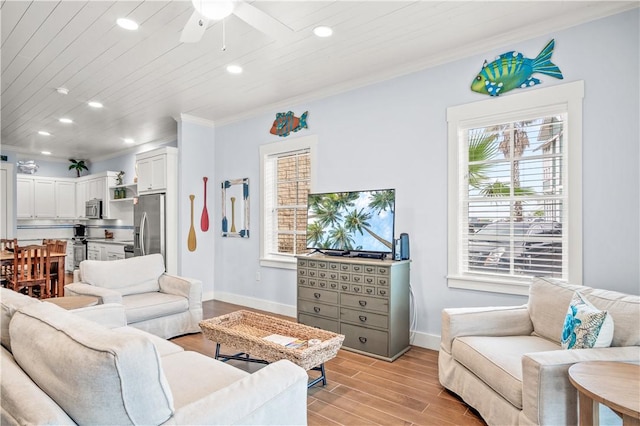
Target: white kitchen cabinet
x=104 y=251
x=44 y=201
x=65 y=199
x=153 y=167
x=94 y=187
x=24 y=198
x=7 y=216
x=81 y=198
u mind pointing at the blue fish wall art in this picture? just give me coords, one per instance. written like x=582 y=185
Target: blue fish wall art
x=512 y=70
x=286 y=122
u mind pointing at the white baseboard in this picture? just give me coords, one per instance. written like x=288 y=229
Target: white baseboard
x=423 y=340
x=261 y=304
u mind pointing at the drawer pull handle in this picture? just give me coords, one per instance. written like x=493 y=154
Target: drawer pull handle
x=345 y=287
x=369 y=291
x=362 y=302
x=362 y=340
x=316 y=295
x=363 y=318
x=382 y=292
x=316 y=309
x=356 y=289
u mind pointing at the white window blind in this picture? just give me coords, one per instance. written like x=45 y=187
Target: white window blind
x=286 y=182
x=515 y=197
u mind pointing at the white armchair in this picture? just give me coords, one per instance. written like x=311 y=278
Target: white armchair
x=156 y=302
x=507 y=362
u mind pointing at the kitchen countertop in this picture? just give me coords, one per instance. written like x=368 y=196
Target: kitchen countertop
x=109 y=241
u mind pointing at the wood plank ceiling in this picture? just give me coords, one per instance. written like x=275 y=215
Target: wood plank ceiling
x=147 y=77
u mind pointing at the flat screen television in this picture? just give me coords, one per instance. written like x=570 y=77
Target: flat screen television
x=355 y=221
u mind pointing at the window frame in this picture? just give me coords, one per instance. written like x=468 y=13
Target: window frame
x=511 y=108
x=268 y=150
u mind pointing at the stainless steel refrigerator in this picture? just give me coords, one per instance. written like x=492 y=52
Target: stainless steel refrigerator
x=149 y=225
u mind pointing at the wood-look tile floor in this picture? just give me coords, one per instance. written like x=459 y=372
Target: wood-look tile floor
x=365 y=391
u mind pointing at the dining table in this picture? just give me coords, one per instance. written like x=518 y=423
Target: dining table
x=6 y=258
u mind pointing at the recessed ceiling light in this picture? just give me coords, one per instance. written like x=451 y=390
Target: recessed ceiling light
x=127 y=24
x=62 y=90
x=44 y=133
x=66 y=120
x=234 y=69
x=128 y=140
x=323 y=31
x=45 y=152
x=94 y=104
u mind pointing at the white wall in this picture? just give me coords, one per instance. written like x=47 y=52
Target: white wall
x=393 y=134
x=195 y=161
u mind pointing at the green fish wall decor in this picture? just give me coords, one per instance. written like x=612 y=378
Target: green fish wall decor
x=512 y=70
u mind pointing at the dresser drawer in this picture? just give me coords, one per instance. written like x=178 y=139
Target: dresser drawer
x=307 y=306
x=323 y=323
x=318 y=295
x=364 y=318
x=369 y=279
x=364 y=302
x=303 y=263
x=357 y=278
x=365 y=339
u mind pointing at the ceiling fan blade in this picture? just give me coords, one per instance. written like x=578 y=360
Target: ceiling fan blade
x=194 y=29
x=261 y=21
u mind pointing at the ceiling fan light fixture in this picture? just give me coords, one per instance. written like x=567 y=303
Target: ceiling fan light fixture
x=323 y=31
x=213 y=9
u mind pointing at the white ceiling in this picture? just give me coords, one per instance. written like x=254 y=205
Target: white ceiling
x=147 y=77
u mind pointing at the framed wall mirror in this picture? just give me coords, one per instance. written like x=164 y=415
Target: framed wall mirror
x=235 y=208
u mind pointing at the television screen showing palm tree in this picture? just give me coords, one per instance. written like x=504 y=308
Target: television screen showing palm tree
x=351 y=221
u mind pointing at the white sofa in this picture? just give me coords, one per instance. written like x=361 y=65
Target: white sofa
x=508 y=363
x=87 y=367
x=156 y=302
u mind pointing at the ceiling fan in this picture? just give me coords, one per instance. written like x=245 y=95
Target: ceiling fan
x=216 y=10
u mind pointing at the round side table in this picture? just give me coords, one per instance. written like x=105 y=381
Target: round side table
x=614 y=384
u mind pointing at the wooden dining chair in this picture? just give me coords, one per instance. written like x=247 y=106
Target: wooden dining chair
x=7 y=266
x=55 y=246
x=31 y=270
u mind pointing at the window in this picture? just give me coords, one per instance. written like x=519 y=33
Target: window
x=515 y=195
x=287 y=177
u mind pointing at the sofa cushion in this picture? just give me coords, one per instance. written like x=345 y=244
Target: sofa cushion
x=586 y=326
x=22 y=401
x=624 y=310
x=135 y=275
x=95 y=374
x=10 y=302
x=142 y=307
x=192 y=376
x=548 y=301
x=497 y=361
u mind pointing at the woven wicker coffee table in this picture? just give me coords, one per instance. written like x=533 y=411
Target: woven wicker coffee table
x=245 y=331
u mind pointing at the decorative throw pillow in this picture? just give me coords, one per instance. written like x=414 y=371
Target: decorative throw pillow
x=585 y=326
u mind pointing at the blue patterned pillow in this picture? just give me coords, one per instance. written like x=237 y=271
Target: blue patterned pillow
x=585 y=326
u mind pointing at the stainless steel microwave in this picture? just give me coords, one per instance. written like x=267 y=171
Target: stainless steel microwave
x=93 y=209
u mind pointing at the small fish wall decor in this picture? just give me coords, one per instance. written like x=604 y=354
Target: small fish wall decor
x=512 y=70
x=286 y=122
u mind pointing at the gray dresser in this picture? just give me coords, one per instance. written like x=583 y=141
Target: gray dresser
x=366 y=300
